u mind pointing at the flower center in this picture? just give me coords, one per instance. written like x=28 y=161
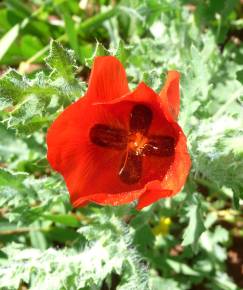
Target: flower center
x=136 y=144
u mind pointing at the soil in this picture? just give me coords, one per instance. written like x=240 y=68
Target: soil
x=235 y=261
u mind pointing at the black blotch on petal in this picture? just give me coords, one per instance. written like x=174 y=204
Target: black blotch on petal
x=106 y=136
x=161 y=146
x=131 y=168
x=140 y=119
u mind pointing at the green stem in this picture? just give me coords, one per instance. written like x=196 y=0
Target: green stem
x=209 y=184
x=96 y=20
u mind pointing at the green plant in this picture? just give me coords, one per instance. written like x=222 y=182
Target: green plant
x=45 y=244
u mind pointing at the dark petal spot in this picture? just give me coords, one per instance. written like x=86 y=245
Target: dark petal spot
x=140 y=119
x=131 y=168
x=105 y=136
x=160 y=146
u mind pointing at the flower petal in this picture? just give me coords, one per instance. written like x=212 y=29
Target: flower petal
x=141 y=95
x=177 y=174
x=105 y=136
x=108 y=80
x=140 y=119
x=152 y=195
x=131 y=167
x=173 y=179
x=172 y=171
x=170 y=96
x=91 y=172
x=160 y=146
x=109 y=199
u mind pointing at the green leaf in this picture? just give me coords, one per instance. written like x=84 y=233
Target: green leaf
x=29 y=98
x=26 y=198
x=179 y=267
x=61 y=235
x=63 y=66
x=97 y=20
x=196 y=226
x=158 y=283
x=10 y=184
x=144 y=238
x=218 y=156
x=70 y=28
x=65 y=219
x=62 y=62
x=34 y=102
x=19 y=7
x=30 y=45
x=99 y=50
x=38 y=240
x=3 y=255
x=12 y=88
x=7 y=40
x=9 y=37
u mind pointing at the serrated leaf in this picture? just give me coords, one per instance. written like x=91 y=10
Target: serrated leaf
x=100 y=50
x=196 y=226
x=10 y=183
x=11 y=148
x=218 y=156
x=26 y=198
x=12 y=88
x=30 y=98
x=63 y=65
x=61 y=61
x=55 y=269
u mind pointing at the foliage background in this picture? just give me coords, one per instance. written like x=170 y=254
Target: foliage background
x=192 y=241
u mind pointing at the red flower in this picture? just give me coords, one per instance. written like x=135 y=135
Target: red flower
x=114 y=146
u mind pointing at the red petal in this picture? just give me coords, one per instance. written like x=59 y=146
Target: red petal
x=160 y=146
x=141 y=95
x=174 y=178
x=171 y=171
x=153 y=193
x=170 y=96
x=177 y=174
x=108 y=199
x=126 y=197
x=108 y=80
x=90 y=171
x=131 y=167
x=140 y=119
x=105 y=136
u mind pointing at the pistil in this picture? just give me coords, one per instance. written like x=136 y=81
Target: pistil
x=136 y=142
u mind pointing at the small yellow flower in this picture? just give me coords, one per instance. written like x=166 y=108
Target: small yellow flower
x=163 y=227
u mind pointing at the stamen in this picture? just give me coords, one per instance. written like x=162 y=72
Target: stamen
x=160 y=146
x=106 y=136
x=137 y=143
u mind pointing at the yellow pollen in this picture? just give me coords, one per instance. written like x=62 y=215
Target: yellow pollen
x=136 y=142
